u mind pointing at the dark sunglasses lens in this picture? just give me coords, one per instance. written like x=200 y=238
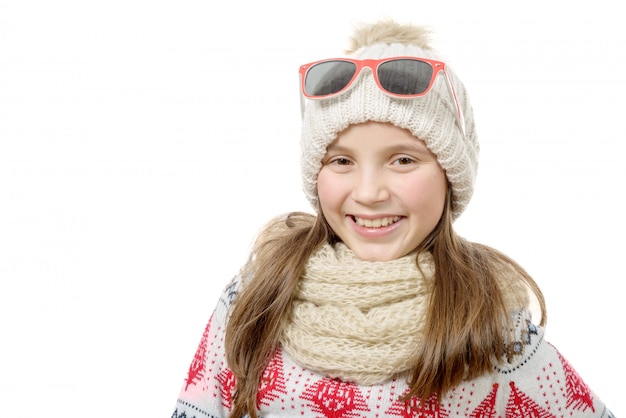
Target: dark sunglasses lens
x=405 y=76
x=328 y=77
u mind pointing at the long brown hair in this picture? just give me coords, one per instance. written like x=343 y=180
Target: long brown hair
x=463 y=326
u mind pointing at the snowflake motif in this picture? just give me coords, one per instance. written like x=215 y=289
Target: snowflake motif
x=272 y=383
x=415 y=408
x=228 y=383
x=335 y=399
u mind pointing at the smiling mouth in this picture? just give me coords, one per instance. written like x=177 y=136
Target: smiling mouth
x=376 y=223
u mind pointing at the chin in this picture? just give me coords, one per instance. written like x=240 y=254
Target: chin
x=370 y=255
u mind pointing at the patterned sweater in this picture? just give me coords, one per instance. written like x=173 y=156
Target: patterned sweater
x=542 y=384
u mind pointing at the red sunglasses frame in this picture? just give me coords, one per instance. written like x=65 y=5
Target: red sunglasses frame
x=373 y=64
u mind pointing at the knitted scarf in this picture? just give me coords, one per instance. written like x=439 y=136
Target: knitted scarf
x=357 y=320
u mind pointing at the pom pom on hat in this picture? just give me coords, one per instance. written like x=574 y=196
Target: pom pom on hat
x=431 y=118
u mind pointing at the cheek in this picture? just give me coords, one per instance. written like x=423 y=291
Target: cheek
x=440 y=184
x=428 y=191
x=327 y=190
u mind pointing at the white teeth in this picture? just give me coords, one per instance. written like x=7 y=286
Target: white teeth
x=376 y=223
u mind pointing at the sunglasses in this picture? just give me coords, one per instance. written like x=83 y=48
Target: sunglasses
x=398 y=77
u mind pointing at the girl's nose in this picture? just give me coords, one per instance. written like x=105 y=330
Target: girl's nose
x=370 y=187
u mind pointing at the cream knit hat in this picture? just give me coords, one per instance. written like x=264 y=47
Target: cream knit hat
x=431 y=118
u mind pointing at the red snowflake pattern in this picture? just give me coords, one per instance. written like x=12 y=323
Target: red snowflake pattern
x=228 y=382
x=272 y=383
x=415 y=408
x=335 y=399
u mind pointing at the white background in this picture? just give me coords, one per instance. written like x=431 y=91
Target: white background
x=144 y=143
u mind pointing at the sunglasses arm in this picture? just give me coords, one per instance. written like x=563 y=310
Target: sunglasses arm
x=301 y=99
x=459 y=113
x=301 y=105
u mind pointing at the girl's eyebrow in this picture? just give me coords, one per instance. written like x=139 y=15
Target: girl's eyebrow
x=410 y=147
x=337 y=148
x=413 y=146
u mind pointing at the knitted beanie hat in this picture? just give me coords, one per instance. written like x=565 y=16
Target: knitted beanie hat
x=431 y=118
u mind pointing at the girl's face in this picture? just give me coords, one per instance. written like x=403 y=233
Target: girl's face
x=381 y=190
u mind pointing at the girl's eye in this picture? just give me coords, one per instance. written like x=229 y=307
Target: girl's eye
x=340 y=161
x=404 y=161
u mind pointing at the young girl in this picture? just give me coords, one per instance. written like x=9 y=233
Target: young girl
x=375 y=307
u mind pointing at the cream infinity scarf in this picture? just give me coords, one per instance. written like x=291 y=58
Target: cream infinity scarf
x=357 y=320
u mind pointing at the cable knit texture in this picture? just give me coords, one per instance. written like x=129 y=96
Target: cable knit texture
x=356 y=320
